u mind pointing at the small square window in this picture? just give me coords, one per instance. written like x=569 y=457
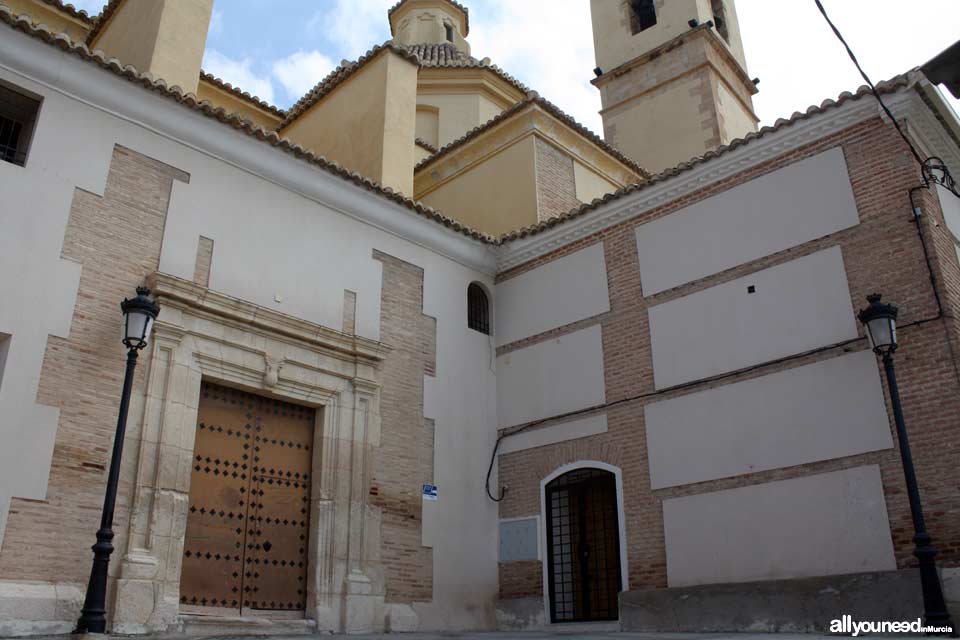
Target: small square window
x=18 y=115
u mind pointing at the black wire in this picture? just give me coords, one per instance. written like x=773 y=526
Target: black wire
x=650 y=394
x=876 y=94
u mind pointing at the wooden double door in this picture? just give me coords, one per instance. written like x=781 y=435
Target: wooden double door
x=245 y=549
x=583 y=545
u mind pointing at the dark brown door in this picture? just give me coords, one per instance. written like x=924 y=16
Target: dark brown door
x=583 y=543
x=247 y=523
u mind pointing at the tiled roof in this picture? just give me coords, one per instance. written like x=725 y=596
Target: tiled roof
x=426 y=145
x=338 y=75
x=243 y=95
x=889 y=86
x=534 y=98
x=466 y=14
x=63 y=42
x=108 y=10
x=70 y=10
x=446 y=56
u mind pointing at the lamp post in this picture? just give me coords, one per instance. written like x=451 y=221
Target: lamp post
x=138 y=316
x=880 y=321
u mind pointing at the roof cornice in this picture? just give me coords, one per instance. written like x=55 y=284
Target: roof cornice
x=675 y=184
x=260 y=153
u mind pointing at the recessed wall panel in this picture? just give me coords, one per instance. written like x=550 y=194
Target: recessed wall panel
x=565 y=290
x=551 y=378
x=819 y=411
x=787 y=309
x=826 y=524
x=806 y=200
x=951 y=209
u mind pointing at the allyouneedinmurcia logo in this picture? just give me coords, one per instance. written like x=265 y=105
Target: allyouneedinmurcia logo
x=846 y=624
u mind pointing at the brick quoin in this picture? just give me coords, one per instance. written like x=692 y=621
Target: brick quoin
x=117 y=239
x=404 y=460
x=883 y=253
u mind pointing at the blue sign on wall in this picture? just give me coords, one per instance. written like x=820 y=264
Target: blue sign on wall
x=429 y=492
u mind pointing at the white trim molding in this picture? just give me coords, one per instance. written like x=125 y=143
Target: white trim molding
x=621 y=524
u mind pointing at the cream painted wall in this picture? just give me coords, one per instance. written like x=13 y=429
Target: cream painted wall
x=233 y=104
x=269 y=240
x=828 y=409
x=45 y=14
x=513 y=204
x=806 y=200
x=352 y=126
x=428 y=124
x=797 y=306
x=550 y=378
x=735 y=121
x=458 y=113
x=827 y=524
x=589 y=184
x=659 y=129
x=614 y=43
x=555 y=432
x=557 y=293
x=162 y=37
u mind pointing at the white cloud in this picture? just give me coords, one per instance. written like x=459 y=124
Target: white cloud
x=239 y=73
x=548 y=45
x=300 y=71
x=353 y=26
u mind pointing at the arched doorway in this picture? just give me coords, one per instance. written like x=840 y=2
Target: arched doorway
x=583 y=545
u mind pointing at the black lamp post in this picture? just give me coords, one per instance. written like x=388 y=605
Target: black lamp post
x=880 y=321
x=138 y=316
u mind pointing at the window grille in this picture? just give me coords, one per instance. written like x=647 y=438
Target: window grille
x=478 y=309
x=18 y=113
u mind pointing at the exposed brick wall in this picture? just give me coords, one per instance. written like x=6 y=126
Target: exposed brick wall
x=521 y=579
x=882 y=253
x=117 y=239
x=556 y=185
x=201 y=269
x=404 y=460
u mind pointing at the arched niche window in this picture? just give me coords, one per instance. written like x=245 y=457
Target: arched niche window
x=643 y=15
x=478 y=309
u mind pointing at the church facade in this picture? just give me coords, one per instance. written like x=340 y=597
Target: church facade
x=431 y=355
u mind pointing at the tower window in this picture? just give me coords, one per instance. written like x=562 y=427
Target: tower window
x=720 y=19
x=478 y=309
x=18 y=113
x=643 y=15
x=449 y=28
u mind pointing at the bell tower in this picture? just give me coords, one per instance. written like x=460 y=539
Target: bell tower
x=672 y=78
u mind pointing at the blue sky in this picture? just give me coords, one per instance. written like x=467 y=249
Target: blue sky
x=278 y=49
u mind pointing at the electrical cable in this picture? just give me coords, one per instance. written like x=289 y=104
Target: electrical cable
x=679 y=387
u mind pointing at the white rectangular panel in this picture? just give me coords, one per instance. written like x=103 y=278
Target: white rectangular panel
x=819 y=411
x=565 y=290
x=551 y=378
x=806 y=200
x=950 y=204
x=793 y=307
x=826 y=524
x=555 y=433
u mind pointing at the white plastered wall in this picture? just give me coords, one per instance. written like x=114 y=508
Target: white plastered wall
x=826 y=524
x=273 y=247
x=806 y=200
x=557 y=293
x=551 y=377
x=37 y=287
x=828 y=409
x=796 y=306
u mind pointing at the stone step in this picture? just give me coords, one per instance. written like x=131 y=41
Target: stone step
x=196 y=625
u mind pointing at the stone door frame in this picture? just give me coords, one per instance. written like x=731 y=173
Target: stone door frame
x=205 y=335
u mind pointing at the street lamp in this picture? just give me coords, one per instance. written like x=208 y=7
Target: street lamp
x=880 y=321
x=138 y=316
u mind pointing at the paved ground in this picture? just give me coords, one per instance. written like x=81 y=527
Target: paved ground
x=547 y=635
